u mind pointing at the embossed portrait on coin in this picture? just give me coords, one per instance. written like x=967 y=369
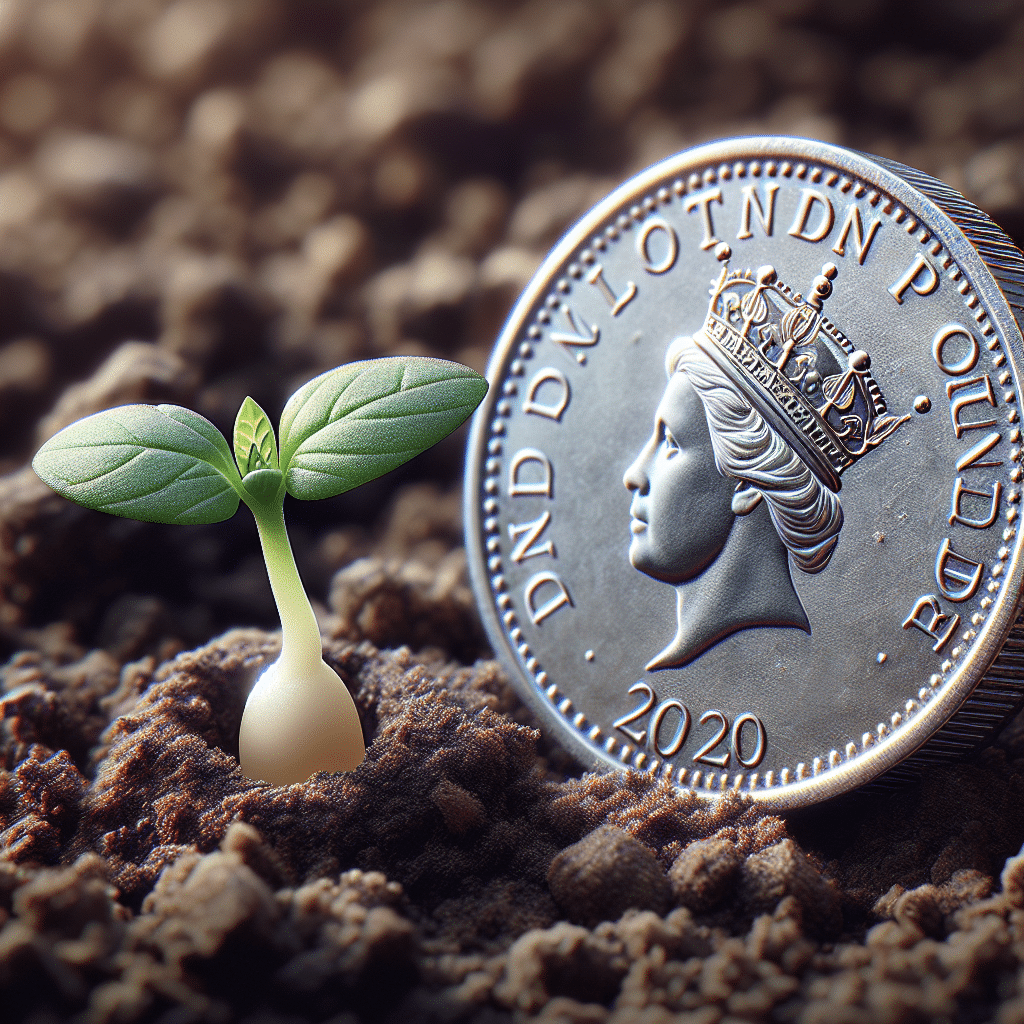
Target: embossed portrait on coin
x=738 y=484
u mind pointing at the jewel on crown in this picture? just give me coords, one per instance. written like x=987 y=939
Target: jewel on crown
x=795 y=366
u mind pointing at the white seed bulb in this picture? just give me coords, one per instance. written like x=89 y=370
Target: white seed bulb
x=298 y=723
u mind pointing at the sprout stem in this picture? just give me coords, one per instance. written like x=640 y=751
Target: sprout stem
x=301 y=650
x=299 y=717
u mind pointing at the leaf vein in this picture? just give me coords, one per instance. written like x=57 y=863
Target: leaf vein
x=390 y=394
x=107 y=472
x=335 y=454
x=156 y=489
x=201 y=502
x=189 y=428
x=333 y=414
x=404 y=415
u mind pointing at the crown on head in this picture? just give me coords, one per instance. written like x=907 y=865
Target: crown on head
x=795 y=367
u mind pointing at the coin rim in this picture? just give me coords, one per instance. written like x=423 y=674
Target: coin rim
x=869 y=764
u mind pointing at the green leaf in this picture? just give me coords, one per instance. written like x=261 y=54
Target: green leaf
x=255 y=445
x=360 y=421
x=160 y=464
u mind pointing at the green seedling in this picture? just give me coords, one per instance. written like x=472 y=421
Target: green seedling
x=167 y=464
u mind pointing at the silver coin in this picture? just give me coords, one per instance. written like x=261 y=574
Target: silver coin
x=742 y=503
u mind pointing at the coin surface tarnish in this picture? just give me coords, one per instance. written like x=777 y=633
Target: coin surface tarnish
x=742 y=503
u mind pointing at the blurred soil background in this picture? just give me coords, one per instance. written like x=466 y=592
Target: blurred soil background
x=204 y=199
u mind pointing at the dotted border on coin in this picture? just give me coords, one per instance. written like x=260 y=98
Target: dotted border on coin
x=617 y=226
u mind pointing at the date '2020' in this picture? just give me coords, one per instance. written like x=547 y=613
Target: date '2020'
x=668 y=729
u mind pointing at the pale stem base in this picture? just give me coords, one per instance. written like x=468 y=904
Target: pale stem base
x=293 y=727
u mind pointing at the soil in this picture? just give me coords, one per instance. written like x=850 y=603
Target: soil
x=204 y=199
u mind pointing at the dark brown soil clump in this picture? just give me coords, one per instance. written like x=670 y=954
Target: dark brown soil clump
x=203 y=199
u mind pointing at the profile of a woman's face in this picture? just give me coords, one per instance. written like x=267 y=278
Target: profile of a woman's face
x=681 y=508
x=707 y=534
